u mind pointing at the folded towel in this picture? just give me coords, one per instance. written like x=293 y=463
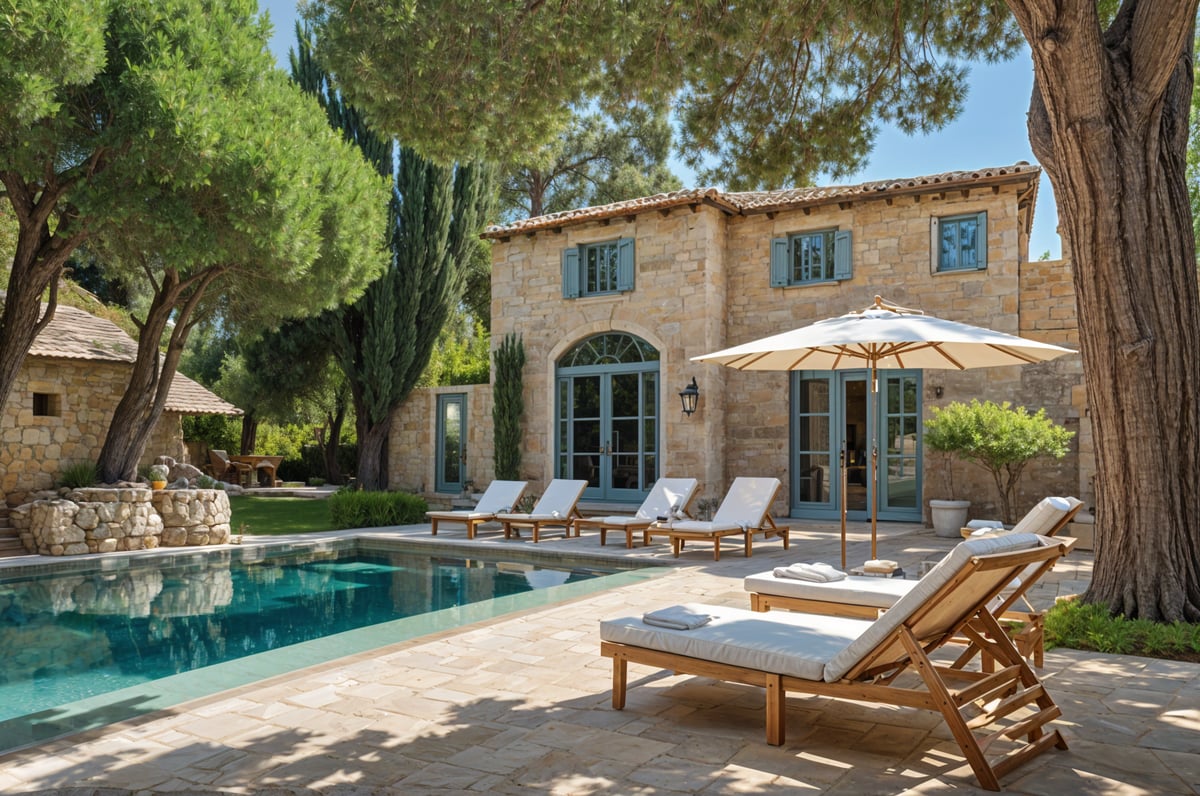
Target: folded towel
x=880 y=565
x=678 y=617
x=815 y=573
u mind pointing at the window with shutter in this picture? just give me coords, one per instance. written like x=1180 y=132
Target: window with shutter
x=594 y=269
x=811 y=257
x=959 y=242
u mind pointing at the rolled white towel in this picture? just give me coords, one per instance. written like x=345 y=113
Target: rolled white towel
x=815 y=573
x=678 y=617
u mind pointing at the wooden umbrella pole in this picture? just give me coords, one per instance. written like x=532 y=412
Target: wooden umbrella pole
x=874 y=476
x=844 y=505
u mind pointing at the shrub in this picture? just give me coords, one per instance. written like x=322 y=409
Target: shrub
x=79 y=475
x=354 y=509
x=508 y=404
x=1091 y=626
x=208 y=482
x=157 y=472
x=998 y=438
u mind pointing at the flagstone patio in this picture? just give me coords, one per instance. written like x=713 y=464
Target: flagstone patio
x=521 y=704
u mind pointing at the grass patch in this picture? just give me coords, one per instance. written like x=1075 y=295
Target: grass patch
x=263 y=516
x=1082 y=626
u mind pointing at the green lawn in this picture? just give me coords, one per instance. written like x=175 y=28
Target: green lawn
x=262 y=516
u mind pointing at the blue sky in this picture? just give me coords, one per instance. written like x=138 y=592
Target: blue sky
x=990 y=131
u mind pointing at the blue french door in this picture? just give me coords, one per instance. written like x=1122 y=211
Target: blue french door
x=836 y=411
x=451 y=459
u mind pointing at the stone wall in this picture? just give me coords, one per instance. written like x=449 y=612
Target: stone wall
x=35 y=448
x=108 y=520
x=412 y=445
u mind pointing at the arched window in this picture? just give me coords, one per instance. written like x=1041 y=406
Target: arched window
x=611 y=348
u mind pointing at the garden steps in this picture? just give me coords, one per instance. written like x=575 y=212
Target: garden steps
x=10 y=540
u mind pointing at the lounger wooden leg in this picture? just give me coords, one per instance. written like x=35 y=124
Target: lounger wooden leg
x=434 y=523
x=676 y=546
x=786 y=534
x=717 y=549
x=628 y=538
x=471 y=529
x=620 y=677
x=535 y=533
x=603 y=535
x=776 y=710
x=749 y=543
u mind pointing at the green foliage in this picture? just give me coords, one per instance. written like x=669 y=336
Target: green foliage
x=358 y=509
x=598 y=159
x=1079 y=625
x=78 y=475
x=217 y=431
x=998 y=438
x=157 y=472
x=766 y=94
x=461 y=354
x=508 y=405
x=208 y=482
x=282 y=439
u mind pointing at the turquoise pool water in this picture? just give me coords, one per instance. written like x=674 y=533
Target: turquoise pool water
x=86 y=645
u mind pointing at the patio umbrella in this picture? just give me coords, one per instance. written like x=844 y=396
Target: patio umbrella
x=883 y=336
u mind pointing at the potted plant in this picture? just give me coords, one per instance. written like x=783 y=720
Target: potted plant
x=998 y=438
x=158 y=476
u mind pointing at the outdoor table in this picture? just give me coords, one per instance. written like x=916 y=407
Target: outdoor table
x=265 y=466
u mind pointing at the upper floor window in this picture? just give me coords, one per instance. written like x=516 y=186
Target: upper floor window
x=594 y=269
x=959 y=242
x=810 y=257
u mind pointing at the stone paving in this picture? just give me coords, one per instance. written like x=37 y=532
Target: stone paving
x=520 y=704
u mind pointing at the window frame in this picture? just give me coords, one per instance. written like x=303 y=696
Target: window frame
x=839 y=259
x=980 y=244
x=575 y=268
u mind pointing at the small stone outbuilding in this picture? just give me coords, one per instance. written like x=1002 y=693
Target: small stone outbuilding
x=64 y=397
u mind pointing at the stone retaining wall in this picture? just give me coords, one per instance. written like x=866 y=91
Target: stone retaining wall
x=108 y=520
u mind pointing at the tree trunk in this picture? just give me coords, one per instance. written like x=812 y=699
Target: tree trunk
x=372 y=451
x=1108 y=121
x=331 y=441
x=36 y=265
x=249 y=438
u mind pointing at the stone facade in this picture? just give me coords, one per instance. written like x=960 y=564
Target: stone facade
x=703 y=283
x=412 y=441
x=99 y=520
x=35 y=448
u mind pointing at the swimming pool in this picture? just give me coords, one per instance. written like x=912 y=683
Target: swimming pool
x=87 y=644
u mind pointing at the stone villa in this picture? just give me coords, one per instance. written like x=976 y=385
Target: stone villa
x=612 y=303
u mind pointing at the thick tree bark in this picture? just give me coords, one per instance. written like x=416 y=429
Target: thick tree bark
x=1108 y=121
x=142 y=404
x=249 y=433
x=372 y=453
x=36 y=266
x=331 y=440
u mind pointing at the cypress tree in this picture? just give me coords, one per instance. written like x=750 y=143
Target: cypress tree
x=508 y=404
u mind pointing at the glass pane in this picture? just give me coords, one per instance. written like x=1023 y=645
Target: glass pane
x=564 y=403
x=625 y=395
x=586 y=436
x=902 y=482
x=649 y=436
x=452 y=442
x=949 y=258
x=587 y=397
x=813 y=396
x=625 y=472
x=650 y=394
x=966 y=243
x=586 y=469
x=649 y=470
x=561 y=471
x=813 y=433
x=814 y=477
x=625 y=435
x=563 y=435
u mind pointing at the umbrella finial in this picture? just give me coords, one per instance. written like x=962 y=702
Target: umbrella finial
x=880 y=304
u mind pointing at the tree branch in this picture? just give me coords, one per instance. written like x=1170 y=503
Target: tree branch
x=1161 y=31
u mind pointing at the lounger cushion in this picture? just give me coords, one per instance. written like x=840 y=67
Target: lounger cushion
x=623 y=521
x=700 y=526
x=532 y=517
x=852 y=590
x=1042 y=517
x=798 y=645
x=459 y=515
x=937 y=577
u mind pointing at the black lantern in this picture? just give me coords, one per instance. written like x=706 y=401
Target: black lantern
x=690 y=395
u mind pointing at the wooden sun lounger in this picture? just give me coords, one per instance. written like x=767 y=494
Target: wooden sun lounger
x=1011 y=700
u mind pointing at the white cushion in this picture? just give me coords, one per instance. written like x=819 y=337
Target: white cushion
x=798 y=645
x=923 y=589
x=700 y=526
x=463 y=514
x=747 y=502
x=1042 y=517
x=560 y=496
x=622 y=521
x=853 y=590
x=500 y=496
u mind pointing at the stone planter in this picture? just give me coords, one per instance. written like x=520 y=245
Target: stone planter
x=948 y=516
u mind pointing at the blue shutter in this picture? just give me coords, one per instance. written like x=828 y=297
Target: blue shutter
x=842 y=268
x=779 y=262
x=625 y=264
x=981 y=238
x=935 y=246
x=570 y=273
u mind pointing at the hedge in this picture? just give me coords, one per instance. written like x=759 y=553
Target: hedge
x=354 y=509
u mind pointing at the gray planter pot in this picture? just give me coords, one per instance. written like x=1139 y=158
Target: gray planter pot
x=948 y=516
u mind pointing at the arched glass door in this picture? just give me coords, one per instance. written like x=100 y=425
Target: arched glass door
x=606 y=429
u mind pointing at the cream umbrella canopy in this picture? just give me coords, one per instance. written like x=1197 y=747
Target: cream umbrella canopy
x=883 y=336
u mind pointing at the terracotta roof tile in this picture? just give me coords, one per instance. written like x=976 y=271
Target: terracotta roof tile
x=745 y=202
x=75 y=334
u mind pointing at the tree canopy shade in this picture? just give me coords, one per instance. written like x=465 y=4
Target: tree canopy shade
x=771 y=93
x=203 y=173
x=778 y=92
